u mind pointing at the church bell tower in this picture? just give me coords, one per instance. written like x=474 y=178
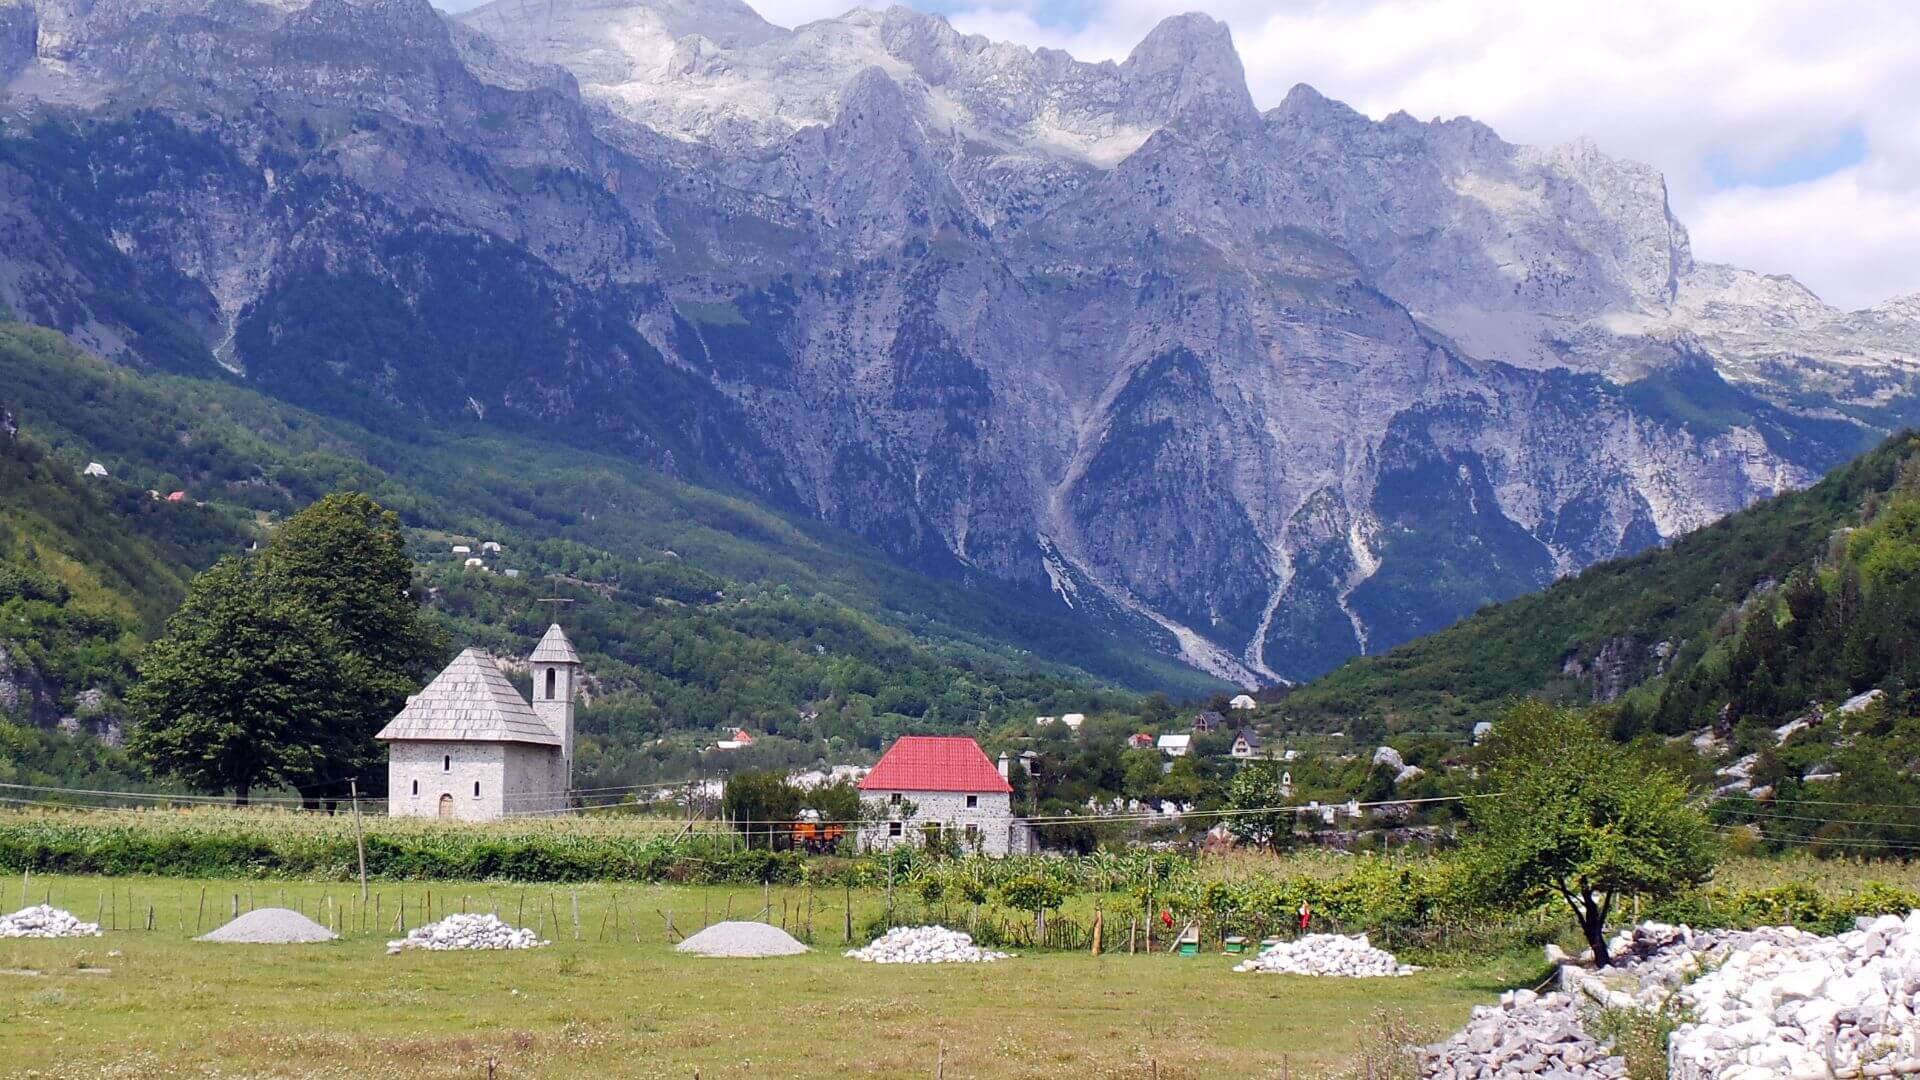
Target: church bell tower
x=556 y=679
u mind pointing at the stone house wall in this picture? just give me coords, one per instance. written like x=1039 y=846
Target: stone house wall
x=997 y=830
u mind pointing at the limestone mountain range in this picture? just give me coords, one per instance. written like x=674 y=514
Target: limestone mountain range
x=1264 y=388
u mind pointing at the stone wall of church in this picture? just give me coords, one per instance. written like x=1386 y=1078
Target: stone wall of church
x=421 y=774
x=511 y=778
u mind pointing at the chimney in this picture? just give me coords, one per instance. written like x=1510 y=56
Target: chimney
x=1003 y=764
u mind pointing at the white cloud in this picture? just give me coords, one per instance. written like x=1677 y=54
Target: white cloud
x=1854 y=243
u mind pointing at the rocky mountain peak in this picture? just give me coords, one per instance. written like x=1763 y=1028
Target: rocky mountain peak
x=1187 y=67
x=388 y=24
x=1261 y=393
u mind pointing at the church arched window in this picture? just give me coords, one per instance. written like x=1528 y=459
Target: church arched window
x=550 y=680
x=446 y=763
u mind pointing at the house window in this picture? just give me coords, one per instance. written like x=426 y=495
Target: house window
x=476 y=789
x=416 y=787
x=972 y=831
x=550 y=674
x=446 y=763
x=893 y=828
x=973 y=801
x=894 y=799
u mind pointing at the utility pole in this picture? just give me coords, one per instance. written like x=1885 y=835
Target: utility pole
x=359 y=841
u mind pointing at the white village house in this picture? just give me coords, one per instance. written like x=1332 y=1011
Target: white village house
x=1243 y=702
x=952 y=787
x=470 y=747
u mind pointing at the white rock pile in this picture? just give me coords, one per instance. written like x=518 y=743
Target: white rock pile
x=740 y=939
x=1792 y=1004
x=1527 y=1034
x=1328 y=954
x=466 y=931
x=271 y=926
x=45 y=921
x=925 y=945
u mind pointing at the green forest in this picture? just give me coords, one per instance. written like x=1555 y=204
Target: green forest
x=697 y=611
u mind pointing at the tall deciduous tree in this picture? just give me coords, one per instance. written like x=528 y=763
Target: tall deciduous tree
x=1255 y=796
x=240 y=690
x=344 y=560
x=1573 y=815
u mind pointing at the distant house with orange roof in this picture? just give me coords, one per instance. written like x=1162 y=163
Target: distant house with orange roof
x=944 y=782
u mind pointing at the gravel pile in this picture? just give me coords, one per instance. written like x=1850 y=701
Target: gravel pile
x=741 y=939
x=925 y=945
x=271 y=926
x=467 y=931
x=1787 y=1003
x=1527 y=1034
x=44 y=921
x=1328 y=954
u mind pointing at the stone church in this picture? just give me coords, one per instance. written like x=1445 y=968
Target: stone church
x=470 y=748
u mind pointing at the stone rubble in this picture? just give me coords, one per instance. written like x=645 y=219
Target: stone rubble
x=467 y=931
x=45 y=921
x=1527 y=1034
x=1792 y=1004
x=1328 y=954
x=925 y=945
x=1774 y=1003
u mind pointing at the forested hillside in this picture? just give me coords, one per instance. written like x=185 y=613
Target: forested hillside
x=698 y=611
x=1676 y=622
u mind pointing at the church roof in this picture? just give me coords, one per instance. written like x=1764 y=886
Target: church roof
x=554 y=648
x=471 y=701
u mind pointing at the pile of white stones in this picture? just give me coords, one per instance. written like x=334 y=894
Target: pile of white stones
x=925 y=945
x=1328 y=954
x=1760 y=1004
x=468 y=932
x=1792 y=1004
x=45 y=921
x=1527 y=1034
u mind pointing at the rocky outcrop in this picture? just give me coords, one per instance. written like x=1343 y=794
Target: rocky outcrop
x=19 y=38
x=1265 y=390
x=24 y=694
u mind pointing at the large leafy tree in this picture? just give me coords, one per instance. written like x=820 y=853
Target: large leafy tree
x=754 y=800
x=241 y=689
x=344 y=560
x=1573 y=815
x=1255 y=798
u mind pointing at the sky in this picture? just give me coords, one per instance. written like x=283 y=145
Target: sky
x=1788 y=130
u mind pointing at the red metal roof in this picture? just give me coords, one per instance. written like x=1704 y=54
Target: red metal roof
x=935 y=763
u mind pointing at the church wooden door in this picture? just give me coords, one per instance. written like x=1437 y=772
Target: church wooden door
x=446 y=806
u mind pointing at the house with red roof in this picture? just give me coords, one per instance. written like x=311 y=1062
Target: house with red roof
x=942 y=785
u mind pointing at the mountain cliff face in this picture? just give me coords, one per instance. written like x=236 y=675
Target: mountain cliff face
x=1265 y=389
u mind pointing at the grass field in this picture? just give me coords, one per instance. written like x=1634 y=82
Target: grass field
x=618 y=1002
